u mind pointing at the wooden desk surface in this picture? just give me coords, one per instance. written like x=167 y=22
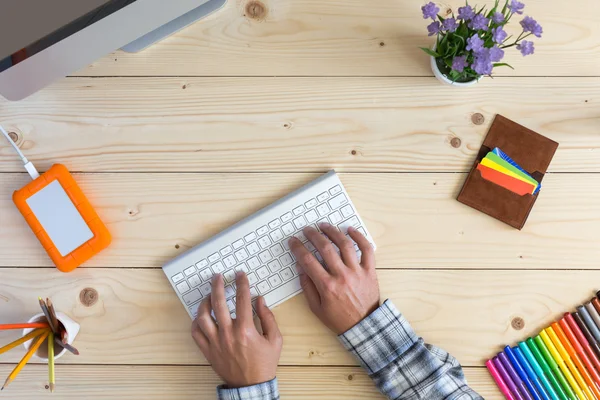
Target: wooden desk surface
x=178 y=142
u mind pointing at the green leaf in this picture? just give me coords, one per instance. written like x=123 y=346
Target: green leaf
x=503 y=65
x=430 y=52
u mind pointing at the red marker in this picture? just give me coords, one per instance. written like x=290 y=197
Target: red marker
x=580 y=350
x=581 y=338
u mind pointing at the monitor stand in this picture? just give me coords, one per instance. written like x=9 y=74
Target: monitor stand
x=174 y=26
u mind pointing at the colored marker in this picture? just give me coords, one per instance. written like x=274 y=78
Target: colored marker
x=560 y=377
x=596 y=304
x=546 y=370
x=585 y=315
x=514 y=376
x=522 y=374
x=562 y=365
x=581 y=338
x=538 y=371
x=576 y=360
x=578 y=348
x=531 y=373
x=496 y=375
x=507 y=379
x=593 y=313
x=567 y=360
x=586 y=332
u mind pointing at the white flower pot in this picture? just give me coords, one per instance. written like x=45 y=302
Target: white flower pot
x=444 y=79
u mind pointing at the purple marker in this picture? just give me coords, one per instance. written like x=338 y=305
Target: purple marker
x=507 y=379
x=515 y=377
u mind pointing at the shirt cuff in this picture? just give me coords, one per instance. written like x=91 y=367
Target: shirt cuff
x=262 y=391
x=380 y=338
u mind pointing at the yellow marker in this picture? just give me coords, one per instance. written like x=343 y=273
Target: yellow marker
x=563 y=366
x=493 y=165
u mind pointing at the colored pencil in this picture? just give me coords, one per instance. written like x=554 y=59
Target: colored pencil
x=498 y=379
x=47 y=314
x=24 y=325
x=66 y=346
x=34 y=347
x=560 y=377
x=53 y=314
x=29 y=336
x=51 y=378
x=562 y=365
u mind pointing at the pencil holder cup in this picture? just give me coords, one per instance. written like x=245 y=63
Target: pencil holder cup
x=71 y=328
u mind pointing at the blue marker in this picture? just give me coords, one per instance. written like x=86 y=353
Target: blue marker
x=531 y=373
x=521 y=372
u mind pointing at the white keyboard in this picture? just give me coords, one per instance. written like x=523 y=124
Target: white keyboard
x=258 y=245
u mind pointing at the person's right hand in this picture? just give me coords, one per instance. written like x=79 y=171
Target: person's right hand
x=347 y=291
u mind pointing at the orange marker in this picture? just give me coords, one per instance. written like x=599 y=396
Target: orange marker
x=580 y=351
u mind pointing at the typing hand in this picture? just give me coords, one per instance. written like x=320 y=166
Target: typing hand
x=238 y=353
x=347 y=291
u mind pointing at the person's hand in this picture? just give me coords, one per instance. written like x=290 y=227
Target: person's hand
x=347 y=291
x=238 y=353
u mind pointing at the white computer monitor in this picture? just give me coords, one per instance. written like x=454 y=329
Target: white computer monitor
x=44 y=40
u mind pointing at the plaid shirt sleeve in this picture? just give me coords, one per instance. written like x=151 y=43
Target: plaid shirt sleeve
x=400 y=363
x=262 y=391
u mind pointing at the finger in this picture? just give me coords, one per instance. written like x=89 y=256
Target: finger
x=308 y=263
x=325 y=247
x=367 y=259
x=205 y=321
x=219 y=305
x=200 y=339
x=342 y=242
x=243 y=304
x=310 y=292
x=267 y=321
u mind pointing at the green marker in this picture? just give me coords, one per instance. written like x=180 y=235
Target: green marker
x=538 y=370
x=541 y=346
x=546 y=368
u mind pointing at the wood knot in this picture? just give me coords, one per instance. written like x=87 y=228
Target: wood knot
x=350 y=377
x=381 y=44
x=14 y=136
x=88 y=297
x=311 y=353
x=455 y=142
x=133 y=212
x=477 y=118
x=184 y=87
x=177 y=246
x=448 y=11
x=517 y=323
x=256 y=10
x=353 y=152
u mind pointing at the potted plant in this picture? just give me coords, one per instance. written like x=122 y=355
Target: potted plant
x=471 y=44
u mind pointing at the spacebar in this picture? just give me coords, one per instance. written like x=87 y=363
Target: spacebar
x=283 y=292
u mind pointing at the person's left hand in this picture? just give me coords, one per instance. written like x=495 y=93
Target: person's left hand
x=237 y=352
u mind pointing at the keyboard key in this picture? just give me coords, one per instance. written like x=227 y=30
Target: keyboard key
x=242 y=267
x=205 y=289
x=229 y=276
x=298 y=210
x=264 y=242
x=230 y=305
x=361 y=230
x=192 y=297
x=338 y=201
x=310 y=246
x=335 y=217
x=322 y=197
x=276 y=235
x=335 y=190
x=323 y=209
x=310 y=204
x=287 y=217
x=206 y=274
x=262 y=230
x=274 y=266
x=218 y=267
x=201 y=264
x=275 y=223
x=252 y=278
x=194 y=280
x=241 y=255
x=253 y=294
x=183 y=287
x=229 y=292
x=194 y=310
x=226 y=250
x=263 y=287
x=300 y=222
x=253 y=263
x=300 y=236
x=253 y=248
x=263 y=272
x=265 y=256
x=286 y=243
x=319 y=257
x=277 y=250
x=354 y=222
x=287 y=274
x=230 y=261
x=347 y=211
x=286 y=290
x=286 y=259
x=288 y=229
x=275 y=280
x=322 y=221
x=177 y=278
x=238 y=243
x=311 y=216
x=294 y=269
x=250 y=237
x=214 y=257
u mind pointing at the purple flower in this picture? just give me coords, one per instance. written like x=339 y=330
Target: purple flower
x=466 y=13
x=526 y=48
x=496 y=54
x=475 y=43
x=434 y=28
x=498 y=18
x=530 y=25
x=479 y=22
x=459 y=63
x=450 y=24
x=516 y=7
x=498 y=35
x=430 y=10
x=482 y=64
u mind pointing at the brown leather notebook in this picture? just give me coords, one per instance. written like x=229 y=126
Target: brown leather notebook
x=532 y=151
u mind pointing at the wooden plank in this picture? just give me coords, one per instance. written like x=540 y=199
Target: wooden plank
x=137 y=318
x=198 y=383
x=292 y=124
x=415 y=219
x=381 y=38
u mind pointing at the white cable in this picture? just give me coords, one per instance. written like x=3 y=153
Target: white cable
x=28 y=165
